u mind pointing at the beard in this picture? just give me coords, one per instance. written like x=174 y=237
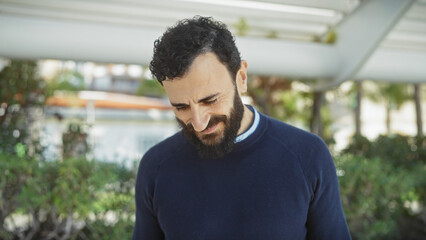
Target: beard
x=217 y=145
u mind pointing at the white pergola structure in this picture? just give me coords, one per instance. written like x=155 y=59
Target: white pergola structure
x=382 y=40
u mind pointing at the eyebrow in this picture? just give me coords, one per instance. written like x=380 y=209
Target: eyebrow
x=208 y=98
x=199 y=101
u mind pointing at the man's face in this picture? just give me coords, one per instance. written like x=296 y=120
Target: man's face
x=207 y=105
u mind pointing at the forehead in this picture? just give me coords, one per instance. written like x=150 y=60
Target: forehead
x=205 y=76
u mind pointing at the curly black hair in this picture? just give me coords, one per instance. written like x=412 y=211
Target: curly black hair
x=175 y=51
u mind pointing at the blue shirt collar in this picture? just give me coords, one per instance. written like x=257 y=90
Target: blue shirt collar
x=251 y=130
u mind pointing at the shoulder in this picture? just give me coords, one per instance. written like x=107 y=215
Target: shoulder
x=296 y=139
x=311 y=151
x=159 y=153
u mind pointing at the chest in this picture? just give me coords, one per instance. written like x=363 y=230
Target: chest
x=253 y=198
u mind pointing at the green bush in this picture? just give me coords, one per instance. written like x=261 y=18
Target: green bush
x=118 y=200
x=397 y=165
x=73 y=198
x=14 y=172
x=399 y=150
x=373 y=195
x=359 y=146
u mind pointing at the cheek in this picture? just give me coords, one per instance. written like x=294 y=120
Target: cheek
x=223 y=108
x=181 y=116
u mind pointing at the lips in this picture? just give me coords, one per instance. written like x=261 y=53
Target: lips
x=210 y=129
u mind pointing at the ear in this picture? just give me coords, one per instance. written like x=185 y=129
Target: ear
x=242 y=78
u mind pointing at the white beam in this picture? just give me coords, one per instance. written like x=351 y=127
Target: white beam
x=361 y=33
x=287 y=58
x=34 y=38
x=395 y=66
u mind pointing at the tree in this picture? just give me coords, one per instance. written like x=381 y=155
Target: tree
x=354 y=95
x=359 y=93
x=277 y=97
x=22 y=95
x=315 y=122
x=417 y=102
x=393 y=95
x=272 y=95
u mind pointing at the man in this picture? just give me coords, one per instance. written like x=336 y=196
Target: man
x=232 y=172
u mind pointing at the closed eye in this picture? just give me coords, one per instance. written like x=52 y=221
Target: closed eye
x=210 y=101
x=207 y=101
x=180 y=107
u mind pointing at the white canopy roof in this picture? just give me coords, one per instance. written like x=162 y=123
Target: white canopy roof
x=375 y=39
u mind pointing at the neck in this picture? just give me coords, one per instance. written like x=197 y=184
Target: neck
x=247 y=120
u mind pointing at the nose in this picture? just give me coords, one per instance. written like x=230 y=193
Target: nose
x=199 y=119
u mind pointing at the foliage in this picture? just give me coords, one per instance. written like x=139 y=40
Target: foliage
x=327 y=121
x=150 y=88
x=242 y=28
x=122 y=229
x=74 y=140
x=373 y=194
x=359 y=146
x=117 y=201
x=66 y=80
x=276 y=97
x=398 y=150
x=14 y=172
x=20 y=84
x=272 y=34
x=290 y=107
x=74 y=199
x=401 y=151
x=22 y=95
x=395 y=94
x=386 y=179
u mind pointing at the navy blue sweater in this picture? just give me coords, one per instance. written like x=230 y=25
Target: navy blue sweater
x=279 y=183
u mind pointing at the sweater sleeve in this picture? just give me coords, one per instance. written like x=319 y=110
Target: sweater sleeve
x=326 y=220
x=146 y=224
